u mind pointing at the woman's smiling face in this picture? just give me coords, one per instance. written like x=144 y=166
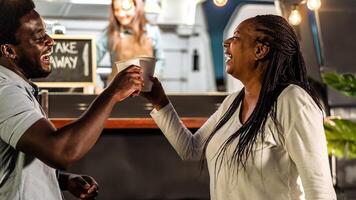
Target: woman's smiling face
x=124 y=11
x=239 y=51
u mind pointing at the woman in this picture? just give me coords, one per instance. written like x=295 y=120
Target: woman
x=129 y=35
x=266 y=141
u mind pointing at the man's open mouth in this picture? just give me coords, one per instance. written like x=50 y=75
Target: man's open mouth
x=46 y=58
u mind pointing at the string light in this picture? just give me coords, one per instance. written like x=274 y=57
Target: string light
x=220 y=3
x=313 y=4
x=295 y=18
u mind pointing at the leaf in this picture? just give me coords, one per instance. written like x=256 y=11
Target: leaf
x=345 y=83
x=341 y=137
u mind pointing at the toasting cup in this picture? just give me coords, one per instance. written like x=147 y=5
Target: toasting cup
x=148 y=65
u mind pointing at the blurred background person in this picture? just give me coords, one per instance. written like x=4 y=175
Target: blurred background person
x=129 y=35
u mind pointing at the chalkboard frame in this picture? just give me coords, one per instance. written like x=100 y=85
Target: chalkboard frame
x=93 y=61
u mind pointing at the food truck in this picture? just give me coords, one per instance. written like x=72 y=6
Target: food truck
x=132 y=159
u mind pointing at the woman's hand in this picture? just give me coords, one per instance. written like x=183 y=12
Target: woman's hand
x=82 y=186
x=128 y=82
x=156 y=96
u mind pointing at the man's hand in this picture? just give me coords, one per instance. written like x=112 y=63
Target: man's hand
x=127 y=83
x=82 y=186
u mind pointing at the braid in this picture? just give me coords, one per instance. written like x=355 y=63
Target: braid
x=286 y=66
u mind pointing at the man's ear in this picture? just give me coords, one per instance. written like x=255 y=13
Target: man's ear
x=261 y=51
x=8 y=51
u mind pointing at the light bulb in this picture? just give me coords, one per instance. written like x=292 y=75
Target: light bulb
x=313 y=4
x=294 y=17
x=220 y=3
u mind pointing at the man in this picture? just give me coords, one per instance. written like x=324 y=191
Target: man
x=31 y=148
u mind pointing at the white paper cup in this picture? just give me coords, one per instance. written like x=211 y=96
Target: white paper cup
x=148 y=65
x=121 y=65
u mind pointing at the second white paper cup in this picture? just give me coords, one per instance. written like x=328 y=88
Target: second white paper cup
x=147 y=63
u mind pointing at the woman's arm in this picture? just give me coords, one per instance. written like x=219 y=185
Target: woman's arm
x=306 y=145
x=189 y=146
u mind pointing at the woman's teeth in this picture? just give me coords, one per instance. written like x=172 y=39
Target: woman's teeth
x=227 y=57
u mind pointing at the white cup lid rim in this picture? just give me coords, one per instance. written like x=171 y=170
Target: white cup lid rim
x=140 y=58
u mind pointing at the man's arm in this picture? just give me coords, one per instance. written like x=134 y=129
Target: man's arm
x=60 y=148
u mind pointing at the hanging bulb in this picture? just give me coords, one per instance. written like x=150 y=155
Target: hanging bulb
x=313 y=4
x=220 y=3
x=295 y=18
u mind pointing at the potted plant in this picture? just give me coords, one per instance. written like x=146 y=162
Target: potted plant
x=341 y=133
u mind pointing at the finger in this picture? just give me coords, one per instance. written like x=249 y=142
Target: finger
x=153 y=78
x=133 y=76
x=136 y=76
x=135 y=94
x=130 y=70
x=92 y=182
x=84 y=184
x=134 y=68
x=137 y=82
x=89 y=179
x=155 y=81
x=134 y=71
x=93 y=188
x=89 y=196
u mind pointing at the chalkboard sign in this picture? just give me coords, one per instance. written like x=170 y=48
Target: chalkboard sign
x=73 y=62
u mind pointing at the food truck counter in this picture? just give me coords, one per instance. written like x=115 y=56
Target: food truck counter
x=194 y=109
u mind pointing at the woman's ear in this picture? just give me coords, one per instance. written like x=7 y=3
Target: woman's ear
x=8 y=51
x=261 y=51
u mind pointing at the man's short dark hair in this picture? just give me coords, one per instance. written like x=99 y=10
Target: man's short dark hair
x=10 y=13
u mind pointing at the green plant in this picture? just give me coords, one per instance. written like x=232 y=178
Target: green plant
x=341 y=137
x=341 y=133
x=345 y=83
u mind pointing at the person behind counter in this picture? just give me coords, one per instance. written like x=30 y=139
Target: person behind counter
x=267 y=137
x=129 y=35
x=31 y=148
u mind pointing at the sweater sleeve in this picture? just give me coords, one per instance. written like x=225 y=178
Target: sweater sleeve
x=306 y=145
x=101 y=46
x=189 y=146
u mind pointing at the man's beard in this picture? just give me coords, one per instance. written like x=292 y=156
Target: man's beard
x=32 y=69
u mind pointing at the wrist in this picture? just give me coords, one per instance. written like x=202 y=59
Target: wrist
x=110 y=96
x=161 y=103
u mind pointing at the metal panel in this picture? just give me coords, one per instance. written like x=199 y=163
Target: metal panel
x=73 y=105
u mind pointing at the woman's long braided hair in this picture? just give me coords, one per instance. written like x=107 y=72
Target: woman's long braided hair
x=286 y=66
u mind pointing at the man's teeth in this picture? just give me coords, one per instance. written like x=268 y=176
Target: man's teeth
x=48 y=54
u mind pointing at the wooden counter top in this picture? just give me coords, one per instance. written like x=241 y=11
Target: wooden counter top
x=135 y=123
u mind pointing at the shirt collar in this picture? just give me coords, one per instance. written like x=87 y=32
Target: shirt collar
x=13 y=77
